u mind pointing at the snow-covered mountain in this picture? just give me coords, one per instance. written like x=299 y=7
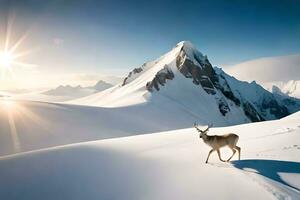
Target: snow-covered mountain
x=101 y=85
x=67 y=90
x=184 y=78
x=290 y=88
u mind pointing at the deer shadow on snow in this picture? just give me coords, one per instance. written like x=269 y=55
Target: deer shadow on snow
x=270 y=168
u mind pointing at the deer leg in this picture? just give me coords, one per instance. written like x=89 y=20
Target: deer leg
x=233 y=152
x=212 y=150
x=219 y=154
x=239 y=151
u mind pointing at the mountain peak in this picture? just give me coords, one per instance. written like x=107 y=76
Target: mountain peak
x=192 y=52
x=185 y=43
x=102 y=85
x=187 y=60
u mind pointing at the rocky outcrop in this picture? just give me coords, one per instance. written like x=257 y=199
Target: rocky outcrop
x=223 y=106
x=275 y=109
x=198 y=68
x=224 y=87
x=132 y=73
x=160 y=79
x=291 y=103
x=201 y=72
x=251 y=112
x=260 y=106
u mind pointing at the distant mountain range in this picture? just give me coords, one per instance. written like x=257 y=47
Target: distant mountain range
x=78 y=91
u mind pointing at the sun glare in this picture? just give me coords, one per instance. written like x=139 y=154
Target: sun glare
x=6 y=59
x=10 y=54
x=7 y=103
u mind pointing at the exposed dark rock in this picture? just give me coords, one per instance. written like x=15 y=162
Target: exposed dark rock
x=291 y=103
x=276 y=90
x=134 y=71
x=275 y=109
x=226 y=90
x=160 y=79
x=223 y=106
x=202 y=74
x=251 y=112
x=265 y=104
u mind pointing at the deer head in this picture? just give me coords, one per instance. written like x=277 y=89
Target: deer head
x=202 y=132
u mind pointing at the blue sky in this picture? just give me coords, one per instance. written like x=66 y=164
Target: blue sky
x=113 y=36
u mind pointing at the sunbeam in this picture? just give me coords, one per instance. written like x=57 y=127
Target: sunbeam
x=13 y=132
x=9 y=54
x=17 y=116
x=10 y=107
x=8 y=32
x=18 y=43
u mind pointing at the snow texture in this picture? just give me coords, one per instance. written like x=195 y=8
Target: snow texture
x=165 y=165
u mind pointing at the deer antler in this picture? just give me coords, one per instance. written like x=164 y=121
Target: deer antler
x=196 y=127
x=208 y=126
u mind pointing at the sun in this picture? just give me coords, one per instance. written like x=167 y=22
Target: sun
x=10 y=54
x=6 y=59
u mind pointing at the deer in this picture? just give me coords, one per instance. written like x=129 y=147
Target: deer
x=218 y=141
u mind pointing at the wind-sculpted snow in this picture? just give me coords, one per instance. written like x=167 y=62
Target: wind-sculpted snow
x=165 y=165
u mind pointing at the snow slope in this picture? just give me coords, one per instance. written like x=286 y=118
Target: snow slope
x=166 y=165
x=40 y=96
x=28 y=125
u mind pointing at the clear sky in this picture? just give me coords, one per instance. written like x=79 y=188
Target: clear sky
x=74 y=41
